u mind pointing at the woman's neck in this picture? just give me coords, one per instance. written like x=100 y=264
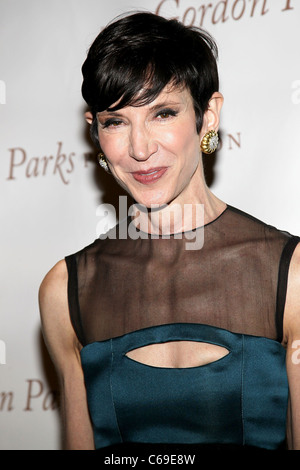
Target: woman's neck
x=180 y=216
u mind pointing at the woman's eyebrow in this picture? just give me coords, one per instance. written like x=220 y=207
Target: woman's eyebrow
x=164 y=104
x=107 y=112
x=155 y=107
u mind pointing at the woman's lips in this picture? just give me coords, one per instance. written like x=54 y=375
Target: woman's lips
x=149 y=176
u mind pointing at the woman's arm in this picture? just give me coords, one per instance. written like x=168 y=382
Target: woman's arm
x=64 y=350
x=292 y=341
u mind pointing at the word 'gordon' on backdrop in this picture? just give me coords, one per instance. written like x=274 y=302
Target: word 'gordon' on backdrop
x=220 y=12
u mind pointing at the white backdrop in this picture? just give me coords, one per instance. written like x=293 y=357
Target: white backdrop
x=51 y=186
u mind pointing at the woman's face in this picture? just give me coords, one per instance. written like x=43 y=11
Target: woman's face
x=153 y=151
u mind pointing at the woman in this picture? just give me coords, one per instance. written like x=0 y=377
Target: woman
x=155 y=341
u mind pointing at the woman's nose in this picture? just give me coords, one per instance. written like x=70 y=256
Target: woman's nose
x=141 y=143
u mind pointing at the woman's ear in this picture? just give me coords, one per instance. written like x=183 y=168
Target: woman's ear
x=211 y=117
x=88 y=117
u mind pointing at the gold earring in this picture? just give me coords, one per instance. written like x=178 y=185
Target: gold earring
x=103 y=162
x=209 y=142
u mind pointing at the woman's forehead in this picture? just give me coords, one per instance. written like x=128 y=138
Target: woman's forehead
x=170 y=94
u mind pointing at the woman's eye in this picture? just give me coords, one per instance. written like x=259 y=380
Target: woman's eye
x=112 y=123
x=166 y=114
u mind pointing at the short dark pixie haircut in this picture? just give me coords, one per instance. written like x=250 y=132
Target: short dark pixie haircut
x=134 y=58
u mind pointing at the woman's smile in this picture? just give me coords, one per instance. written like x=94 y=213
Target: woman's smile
x=149 y=176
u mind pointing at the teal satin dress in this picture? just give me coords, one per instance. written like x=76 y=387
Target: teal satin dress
x=126 y=294
x=240 y=399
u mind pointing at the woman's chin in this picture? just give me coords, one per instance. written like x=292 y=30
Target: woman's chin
x=152 y=199
x=153 y=204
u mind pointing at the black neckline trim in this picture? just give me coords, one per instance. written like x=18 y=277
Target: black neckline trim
x=129 y=220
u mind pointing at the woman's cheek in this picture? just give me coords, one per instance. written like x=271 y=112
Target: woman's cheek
x=113 y=148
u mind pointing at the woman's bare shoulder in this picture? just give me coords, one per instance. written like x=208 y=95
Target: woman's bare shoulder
x=58 y=273
x=57 y=329
x=53 y=290
x=292 y=306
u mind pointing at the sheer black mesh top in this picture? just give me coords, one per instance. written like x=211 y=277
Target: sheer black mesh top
x=236 y=281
